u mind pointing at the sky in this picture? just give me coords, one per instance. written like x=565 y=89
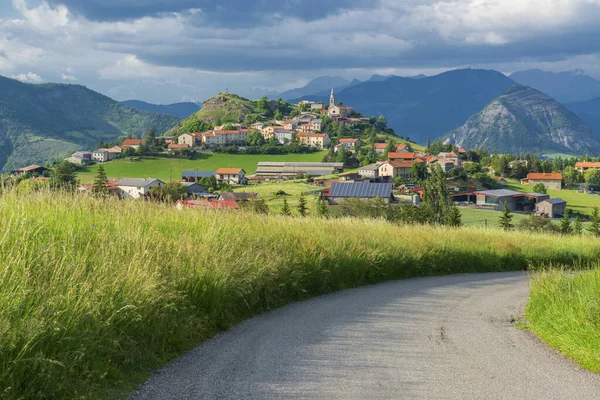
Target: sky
x=165 y=51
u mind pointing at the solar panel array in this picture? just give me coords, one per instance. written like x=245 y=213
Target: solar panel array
x=361 y=190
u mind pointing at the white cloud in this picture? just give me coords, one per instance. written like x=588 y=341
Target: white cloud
x=66 y=77
x=28 y=77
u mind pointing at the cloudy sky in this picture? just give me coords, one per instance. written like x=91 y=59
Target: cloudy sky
x=164 y=51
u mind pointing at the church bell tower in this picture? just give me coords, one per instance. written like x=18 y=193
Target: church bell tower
x=332 y=99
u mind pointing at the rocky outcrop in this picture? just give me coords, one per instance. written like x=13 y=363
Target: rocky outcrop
x=523 y=119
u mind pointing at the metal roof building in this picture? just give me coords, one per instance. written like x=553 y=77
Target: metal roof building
x=194 y=175
x=291 y=169
x=345 y=190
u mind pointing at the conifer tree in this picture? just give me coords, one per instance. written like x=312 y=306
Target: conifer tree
x=285 y=210
x=506 y=218
x=594 y=227
x=302 y=208
x=322 y=210
x=100 y=183
x=455 y=218
x=578 y=226
x=565 y=224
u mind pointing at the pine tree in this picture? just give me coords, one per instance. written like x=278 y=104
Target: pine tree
x=302 y=208
x=63 y=176
x=100 y=183
x=506 y=218
x=322 y=210
x=455 y=217
x=285 y=210
x=578 y=226
x=594 y=227
x=565 y=224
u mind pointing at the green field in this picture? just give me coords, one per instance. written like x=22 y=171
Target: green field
x=564 y=310
x=96 y=293
x=485 y=218
x=293 y=190
x=171 y=168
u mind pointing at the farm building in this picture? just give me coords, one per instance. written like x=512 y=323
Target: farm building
x=237 y=196
x=553 y=208
x=196 y=175
x=549 y=180
x=516 y=201
x=345 y=190
x=292 y=169
x=194 y=189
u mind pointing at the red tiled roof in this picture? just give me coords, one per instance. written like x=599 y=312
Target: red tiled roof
x=402 y=156
x=29 y=168
x=401 y=146
x=228 y=171
x=587 y=164
x=545 y=176
x=347 y=140
x=380 y=145
x=133 y=142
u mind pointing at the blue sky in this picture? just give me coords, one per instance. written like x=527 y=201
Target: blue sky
x=164 y=51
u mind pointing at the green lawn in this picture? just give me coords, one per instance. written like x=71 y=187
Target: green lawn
x=293 y=190
x=483 y=218
x=171 y=168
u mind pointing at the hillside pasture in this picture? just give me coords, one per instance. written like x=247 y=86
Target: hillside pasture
x=166 y=168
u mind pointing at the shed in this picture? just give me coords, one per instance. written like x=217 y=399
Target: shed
x=553 y=208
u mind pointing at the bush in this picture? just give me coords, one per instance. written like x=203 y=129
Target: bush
x=538 y=224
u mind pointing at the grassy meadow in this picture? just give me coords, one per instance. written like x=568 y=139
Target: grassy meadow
x=95 y=294
x=564 y=310
x=166 y=168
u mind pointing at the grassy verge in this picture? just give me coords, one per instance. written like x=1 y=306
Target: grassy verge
x=95 y=294
x=564 y=310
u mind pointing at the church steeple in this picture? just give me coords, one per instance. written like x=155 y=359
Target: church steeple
x=332 y=99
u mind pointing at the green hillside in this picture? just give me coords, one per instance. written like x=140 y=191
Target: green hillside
x=221 y=109
x=45 y=122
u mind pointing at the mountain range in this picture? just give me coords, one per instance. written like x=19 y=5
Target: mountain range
x=566 y=87
x=49 y=121
x=524 y=119
x=428 y=107
x=180 y=110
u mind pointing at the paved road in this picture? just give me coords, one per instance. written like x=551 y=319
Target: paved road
x=434 y=338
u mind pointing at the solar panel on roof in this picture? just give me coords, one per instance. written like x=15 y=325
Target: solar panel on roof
x=363 y=190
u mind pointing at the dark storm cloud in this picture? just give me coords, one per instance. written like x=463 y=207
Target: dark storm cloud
x=234 y=12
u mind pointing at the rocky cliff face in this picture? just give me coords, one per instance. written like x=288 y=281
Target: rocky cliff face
x=523 y=119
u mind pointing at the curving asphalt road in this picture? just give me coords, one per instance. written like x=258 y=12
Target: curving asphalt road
x=434 y=338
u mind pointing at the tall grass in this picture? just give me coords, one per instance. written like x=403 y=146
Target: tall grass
x=564 y=310
x=94 y=294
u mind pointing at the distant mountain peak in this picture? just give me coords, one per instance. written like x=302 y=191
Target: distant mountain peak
x=524 y=119
x=566 y=86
